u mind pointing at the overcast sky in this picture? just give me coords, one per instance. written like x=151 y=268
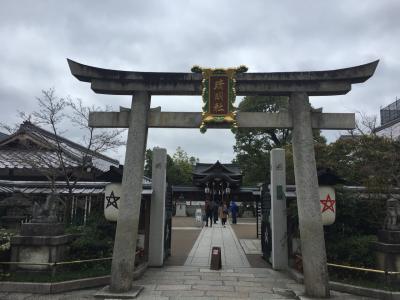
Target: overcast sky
x=37 y=36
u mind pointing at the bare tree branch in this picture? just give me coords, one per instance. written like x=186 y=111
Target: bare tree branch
x=99 y=140
x=70 y=166
x=365 y=124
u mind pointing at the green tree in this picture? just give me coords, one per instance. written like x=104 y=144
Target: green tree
x=179 y=167
x=253 y=145
x=366 y=160
x=148 y=163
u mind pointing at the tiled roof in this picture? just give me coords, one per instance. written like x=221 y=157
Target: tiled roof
x=26 y=159
x=115 y=175
x=43 y=187
x=201 y=168
x=206 y=173
x=15 y=157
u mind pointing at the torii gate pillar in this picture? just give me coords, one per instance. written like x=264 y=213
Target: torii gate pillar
x=123 y=262
x=316 y=278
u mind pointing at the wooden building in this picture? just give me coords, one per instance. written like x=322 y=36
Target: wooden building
x=217 y=182
x=30 y=169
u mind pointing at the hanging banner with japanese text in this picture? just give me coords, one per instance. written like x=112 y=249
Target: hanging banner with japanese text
x=219 y=95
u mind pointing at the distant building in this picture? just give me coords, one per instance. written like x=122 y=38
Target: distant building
x=32 y=152
x=3 y=136
x=29 y=158
x=390 y=121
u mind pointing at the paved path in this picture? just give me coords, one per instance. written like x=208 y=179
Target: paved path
x=196 y=281
x=224 y=237
x=188 y=282
x=184 y=282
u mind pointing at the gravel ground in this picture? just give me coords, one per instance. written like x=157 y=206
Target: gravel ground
x=249 y=231
x=182 y=240
x=183 y=222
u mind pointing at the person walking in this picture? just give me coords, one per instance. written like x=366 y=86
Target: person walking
x=220 y=209
x=208 y=208
x=215 y=212
x=234 y=211
x=223 y=214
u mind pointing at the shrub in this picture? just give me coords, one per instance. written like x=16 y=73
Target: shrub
x=95 y=240
x=355 y=251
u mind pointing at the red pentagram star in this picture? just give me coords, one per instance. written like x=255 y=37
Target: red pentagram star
x=328 y=203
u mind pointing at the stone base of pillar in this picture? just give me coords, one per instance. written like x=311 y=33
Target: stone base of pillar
x=105 y=293
x=39 y=243
x=387 y=251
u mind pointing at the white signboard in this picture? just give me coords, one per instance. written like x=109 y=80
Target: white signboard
x=112 y=196
x=328 y=204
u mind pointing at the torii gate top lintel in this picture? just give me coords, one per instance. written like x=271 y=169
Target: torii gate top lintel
x=314 y=83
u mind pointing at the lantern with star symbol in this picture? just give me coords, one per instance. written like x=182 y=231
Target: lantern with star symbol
x=112 y=196
x=328 y=204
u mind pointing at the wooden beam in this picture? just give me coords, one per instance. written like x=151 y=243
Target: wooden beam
x=157 y=119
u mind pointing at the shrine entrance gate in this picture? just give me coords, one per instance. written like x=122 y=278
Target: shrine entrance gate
x=298 y=86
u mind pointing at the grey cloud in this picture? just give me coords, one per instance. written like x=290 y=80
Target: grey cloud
x=164 y=35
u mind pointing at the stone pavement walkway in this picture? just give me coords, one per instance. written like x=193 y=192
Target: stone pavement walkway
x=196 y=281
x=188 y=282
x=183 y=282
x=224 y=237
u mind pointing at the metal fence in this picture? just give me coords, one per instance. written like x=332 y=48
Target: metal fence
x=55 y=271
x=380 y=279
x=59 y=271
x=388 y=279
x=390 y=112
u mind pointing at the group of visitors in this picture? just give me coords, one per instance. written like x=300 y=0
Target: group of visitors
x=214 y=211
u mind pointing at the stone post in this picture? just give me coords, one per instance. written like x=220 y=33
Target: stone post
x=310 y=221
x=123 y=262
x=157 y=208
x=279 y=253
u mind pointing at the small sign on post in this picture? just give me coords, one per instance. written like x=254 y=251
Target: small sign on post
x=216 y=263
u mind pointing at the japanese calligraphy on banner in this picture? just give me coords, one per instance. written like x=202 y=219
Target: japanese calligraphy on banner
x=328 y=204
x=219 y=95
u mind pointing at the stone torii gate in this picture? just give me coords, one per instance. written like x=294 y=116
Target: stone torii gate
x=300 y=118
